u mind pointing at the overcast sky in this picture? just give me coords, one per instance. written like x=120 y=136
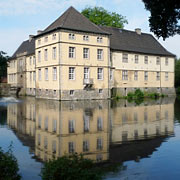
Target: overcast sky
x=19 y=18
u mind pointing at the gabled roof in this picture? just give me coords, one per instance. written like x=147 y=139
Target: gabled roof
x=124 y=40
x=26 y=47
x=73 y=20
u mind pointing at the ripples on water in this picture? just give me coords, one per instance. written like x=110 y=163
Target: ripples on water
x=142 y=137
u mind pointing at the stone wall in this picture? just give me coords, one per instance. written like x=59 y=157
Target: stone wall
x=124 y=91
x=4 y=89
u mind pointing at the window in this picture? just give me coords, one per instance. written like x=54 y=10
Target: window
x=39 y=74
x=99 y=39
x=39 y=42
x=135 y=75
x=54 y=52
x=34 y=60
x=99 y=54
x=100 y=91
x=136 y=59
x=71 y=92
x=39 y=139
x=46 y=74
x=166 y=76
x=124 y=135
x=158 y=61
x=86 y=73
x=125 y=57
x=86 y=53
x=34 y=76
x=99 y=144
x=45 y=142
x=39 y=122
x=158 y=76
x=71 y=52
x=46 y=39
x=45 y=54
x=99 y=124
x=53 y=36
x=145 y=59
x=100 y=73
x=111 y=74
x=71 y=36
x=71 y=147
x=145 y=116
x=54 y=73
x=30 y=76
x=71 y=126
x=39 y=56
x=86 y=119
x=54 y=125
x=85 y=146
x=30 y=61
x=46 y=124
x=124 y=75
x=54 y=146
x=71 y=73
x=145 y=75
x=166 y=61
x=86 y=38
x=135 y=134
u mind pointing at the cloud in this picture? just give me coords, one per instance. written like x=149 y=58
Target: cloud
x=28 y=7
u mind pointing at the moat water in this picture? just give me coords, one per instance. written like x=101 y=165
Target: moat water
x=144 y=137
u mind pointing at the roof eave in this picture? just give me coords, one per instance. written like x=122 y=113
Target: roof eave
x=77 y=30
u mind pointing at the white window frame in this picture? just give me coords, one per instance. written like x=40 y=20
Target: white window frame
x=72 y=52
x=100 y=54
x=166 y=61
x=54 y=36
x=125 y=75
x=54 y=52
x=136 y=59
x=111 y=74
x=100 y=74
x=71 y=73
x=157 y=76
x=85 y=38
x=39 y=56
x=158 y=60
x=125 y=57
x=39 y=75
x=54 y=73
x=86 y=72
x=46 y=39
x=136 y=75
x=45 y=54
x=145 y=59
x=99 y=39
x=86 y=53
x=46 y=74
x=72 y=36
x=166 y=76
x=145 y=75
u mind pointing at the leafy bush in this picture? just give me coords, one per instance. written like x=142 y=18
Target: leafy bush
x=154 y=95
x=73 y=167
x=138 y=93
x=8 y=166
x=130 y=95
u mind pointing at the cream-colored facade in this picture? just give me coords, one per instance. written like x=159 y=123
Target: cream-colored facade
x=54 y=54
x=53 y=129
x=79 y=62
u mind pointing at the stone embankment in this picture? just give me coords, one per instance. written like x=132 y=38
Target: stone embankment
x=4 y=89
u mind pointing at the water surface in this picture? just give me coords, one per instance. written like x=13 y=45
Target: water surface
x=145 y=138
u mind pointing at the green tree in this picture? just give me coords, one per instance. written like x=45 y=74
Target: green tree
x=100 y=16
x=164 y=18
x=177 y=73
x=3 y=64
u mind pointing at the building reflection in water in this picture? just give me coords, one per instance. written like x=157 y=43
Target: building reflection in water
x=100 y=130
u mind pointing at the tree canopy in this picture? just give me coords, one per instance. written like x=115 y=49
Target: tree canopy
x=3 y=64
x=165 y=16
x=100 y=16
x=177 y=73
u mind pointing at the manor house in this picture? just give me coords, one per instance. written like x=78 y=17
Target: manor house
x=75 y=59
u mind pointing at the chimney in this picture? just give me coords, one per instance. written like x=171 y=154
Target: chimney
x=138 y=31
x=30 y=38
x=39 y=32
